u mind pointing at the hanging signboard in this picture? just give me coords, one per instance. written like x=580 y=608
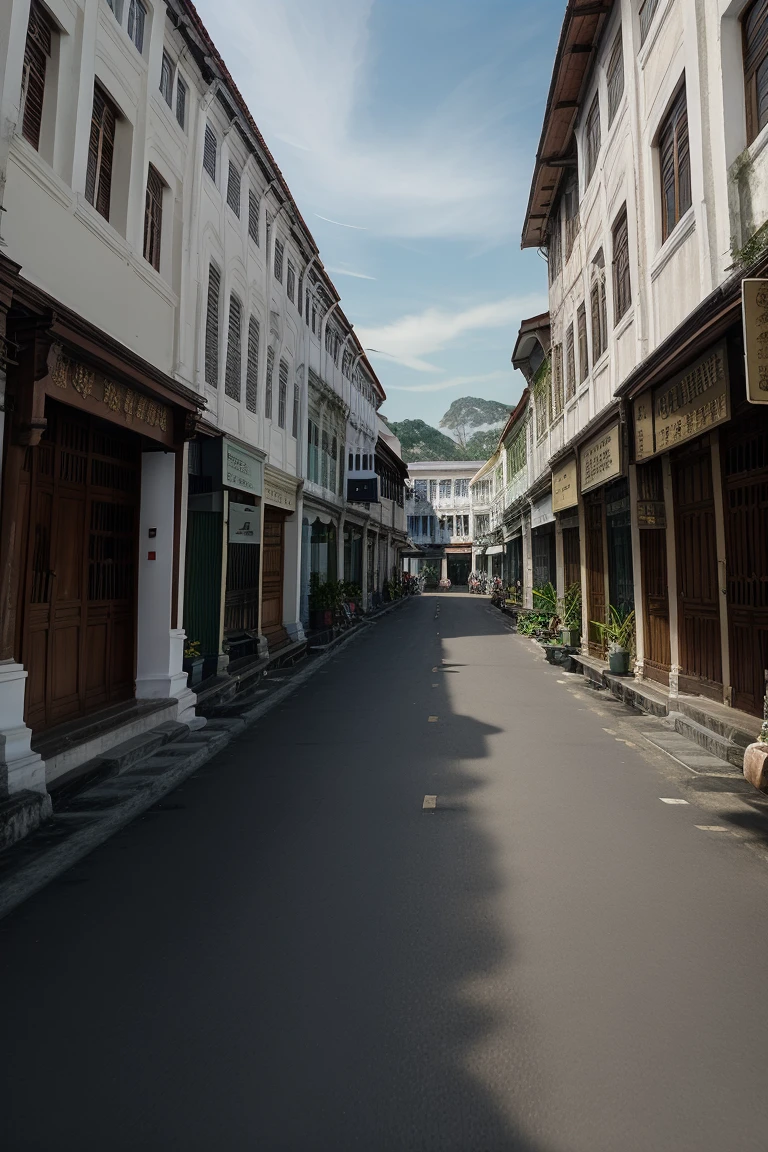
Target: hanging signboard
x=601 y=459
x=754 y=310
x=564 y=487
x=688 y=405
x=241 y=469
x=244 y=524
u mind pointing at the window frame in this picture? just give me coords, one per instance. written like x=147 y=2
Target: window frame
x=234 y=187
x=614 y=76
x=282 y=393
x=210 y=148
x=674 y=128
x=101 y=189
x=645 y=16
x=182 y=88
x=581 y=328
x=153 y=217
x=233 y=366
x=622 y=280
x=754 y=57
x=252 y=365
x=167 y=70
x=38 y=42
x=269 y=384
x=212 y=309
x=592 y=139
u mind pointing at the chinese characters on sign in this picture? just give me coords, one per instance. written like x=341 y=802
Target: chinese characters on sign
x=754 y=303
x=692 y=403
x=564 y=487
x=601 y=459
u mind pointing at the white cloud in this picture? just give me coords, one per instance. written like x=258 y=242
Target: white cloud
x=338 y=223
x=412 y=338
x=349 y=272
x=305 y=68
x=451 y=382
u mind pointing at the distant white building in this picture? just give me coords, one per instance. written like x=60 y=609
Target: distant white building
x=439 y=516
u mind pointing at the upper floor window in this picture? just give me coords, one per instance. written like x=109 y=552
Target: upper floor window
x=166 y=79
x=592 y=138
x=557 y=378
x=570 y=364
x=446 y=487
x=279 y=250
x=252 y=366
x=461 y=488
x=555 y=247
x=210 y=149
x=290 y=282
x=268 y=389
x=137 y=15
x=36 y=52
x=181 y=102
x=615 y=77
x=674 y=165
x=233 y=368
x=581 y=325
x=622 y=290
x=598 y=309
x=647 y=12
x=295 y=423
x=101 y=147
x=212 y=328
x=755 y=44
x=282 y=395
x=253 y=216
x=153 y=218
x=571 y=199
x=233 y=188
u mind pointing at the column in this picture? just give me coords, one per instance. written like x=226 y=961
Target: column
x=527 y=561
x=722 y=584
x=160 y=647
x=340 y=550
x=584 y=578
x=559 y=560
x=292 y=573
x=444 y=568
x=637 y=572
x=674 y=645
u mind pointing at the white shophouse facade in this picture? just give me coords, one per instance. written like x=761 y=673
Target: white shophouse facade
x=439 y=515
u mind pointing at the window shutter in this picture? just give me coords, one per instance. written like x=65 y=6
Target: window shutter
x=181 y=102
x=595 y=307
x=98 y=181
x=296 y=405
x=615 y=77
x=209 y=152
x=212 y=328
x=755 y=48
x=36 y=51
x=570 y=364
x=234 y=355
x=233 y=188
x=166 y=79
x=675 y=164
x=283 y=398
x=252 y=369
x=279 y=249
x=581 y=323
x=647 y=12
x=622 y=295
x=153 y=218
x=270 y=372
x=290 y=281
x=592 y=135
x=253 y=216
x=136 y=16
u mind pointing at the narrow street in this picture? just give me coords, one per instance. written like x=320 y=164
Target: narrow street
x=290 y=953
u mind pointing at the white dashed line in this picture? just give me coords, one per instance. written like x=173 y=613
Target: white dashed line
x=430 y=802
x=432 y=719
x=712 y=828
x=435 y=685
x=671 y=800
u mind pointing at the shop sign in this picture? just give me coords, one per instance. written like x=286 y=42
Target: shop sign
x=692 y=403
x=280 y=497
x=244 y=524
x=754 y=308
x=241 y=469
x=651 y=514
x=564 y=487
x=541 y=511
x=601 y=459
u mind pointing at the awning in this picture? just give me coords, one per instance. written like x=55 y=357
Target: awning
x=494 y=550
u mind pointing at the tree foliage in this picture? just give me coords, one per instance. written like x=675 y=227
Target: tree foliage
x=420 y=441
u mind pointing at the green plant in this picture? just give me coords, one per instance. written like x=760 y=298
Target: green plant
x=349 y=592
x=532 y=621
x=192 y=650
x=569 y=608
x=619 y=631
x=430 y=574
x=545 y=599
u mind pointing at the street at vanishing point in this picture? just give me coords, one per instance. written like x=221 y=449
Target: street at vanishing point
x=292 y=952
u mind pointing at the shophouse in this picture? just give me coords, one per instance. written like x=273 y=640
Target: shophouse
x=648 y=194
x=439 y=516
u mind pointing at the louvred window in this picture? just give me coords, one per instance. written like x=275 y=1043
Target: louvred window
x=101 y=147
x=36 y=52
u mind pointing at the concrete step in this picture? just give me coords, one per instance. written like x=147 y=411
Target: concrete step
x=736 y=727
x=708 y=739
x=692 y=755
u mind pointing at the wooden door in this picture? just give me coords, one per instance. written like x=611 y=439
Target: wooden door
x=571 y=557
x=272 y=579
x=697 y=587
x=654 y=579
x=745 y=484
x=596 y=605
x=79 y=592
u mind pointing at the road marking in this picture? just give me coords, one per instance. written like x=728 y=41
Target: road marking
x=610 y=731
x=432 y=719
x=562 y=681
x=628 y=743
x=712 y=828
x=430 y=802
x=434 y=669
x=435 y=685
x=671 y=800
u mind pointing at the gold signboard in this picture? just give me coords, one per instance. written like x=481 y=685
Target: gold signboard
x=564 y=487
x=688 y=405
x=754 y=307
x=601 y=459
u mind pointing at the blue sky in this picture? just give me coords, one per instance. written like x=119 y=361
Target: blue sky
x=407 y=131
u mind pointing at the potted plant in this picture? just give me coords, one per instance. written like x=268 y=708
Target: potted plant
x=570 y=614
x=430 y=576
x=193 y=662
x=619 y=634
x=322 y=599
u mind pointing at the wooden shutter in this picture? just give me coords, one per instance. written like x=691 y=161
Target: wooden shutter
x=570 y=364
x=234 y=354
x=675 y=164
x=755 y=47
x=270 y=373
x=181 y=101
x=557 y=378
x=594 y=300
x=615 y=77
x=252 y=368
x=581 y=324
x=290 y=281
x=647 y=12
x=283 y=398
x=98 y=181
x=153 y=218
x=212 y=328
x=296 y=404
x=210 y=149
x=622 y=292
x=592 y=137
x=253 y=216
x=279 y=249
x=233 y=188
x=36 y=52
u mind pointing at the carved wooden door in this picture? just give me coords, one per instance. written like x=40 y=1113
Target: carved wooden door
x=697 y=587
x=654 y=578
x=272 y=579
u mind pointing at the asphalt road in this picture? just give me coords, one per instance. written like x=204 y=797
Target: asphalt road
x=290 y=954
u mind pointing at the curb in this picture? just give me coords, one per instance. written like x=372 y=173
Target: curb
x=52 y=861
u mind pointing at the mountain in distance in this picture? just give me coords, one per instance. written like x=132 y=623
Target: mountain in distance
x=474 y=422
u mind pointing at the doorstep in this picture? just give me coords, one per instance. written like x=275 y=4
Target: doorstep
x=68 y=748
x=720 y=731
